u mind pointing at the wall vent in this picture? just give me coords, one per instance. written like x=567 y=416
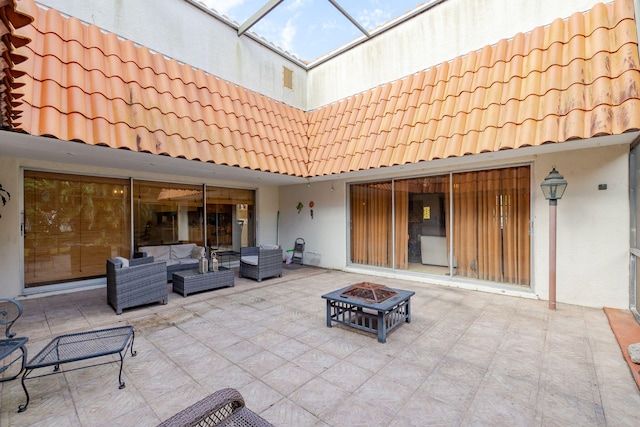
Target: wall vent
x=287 y=78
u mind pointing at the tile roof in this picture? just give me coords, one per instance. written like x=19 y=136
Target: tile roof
x=576 y=78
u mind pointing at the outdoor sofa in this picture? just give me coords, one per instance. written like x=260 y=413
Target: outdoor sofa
x=136 y=282
x=259 y=262
x=180 y=257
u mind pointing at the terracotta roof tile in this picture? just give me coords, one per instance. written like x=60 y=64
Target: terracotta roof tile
x=576 y=78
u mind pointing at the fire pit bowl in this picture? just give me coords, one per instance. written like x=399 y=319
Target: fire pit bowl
x=369 y=292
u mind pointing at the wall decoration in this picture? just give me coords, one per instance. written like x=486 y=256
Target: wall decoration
x=311 y=204
x=299 y=207
x=5 y=196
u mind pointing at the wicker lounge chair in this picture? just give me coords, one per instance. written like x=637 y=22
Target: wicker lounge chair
x=142 y=282
x=260 y=262
x=224 y=407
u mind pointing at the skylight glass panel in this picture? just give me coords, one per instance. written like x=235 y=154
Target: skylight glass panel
x=312 y=29
x=372 y=14
x=307 y=29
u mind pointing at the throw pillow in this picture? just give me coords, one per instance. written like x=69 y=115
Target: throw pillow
x=123 y=261
x=267 y=246
x=197 y=252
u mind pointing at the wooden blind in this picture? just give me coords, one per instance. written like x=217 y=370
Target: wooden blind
x=73 y=224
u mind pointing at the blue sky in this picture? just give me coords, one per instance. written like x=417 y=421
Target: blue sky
x=310 y=29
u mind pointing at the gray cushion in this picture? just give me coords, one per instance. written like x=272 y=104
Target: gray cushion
x=124 y=263
x=250 y=259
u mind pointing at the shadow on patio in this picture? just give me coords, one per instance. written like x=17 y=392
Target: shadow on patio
x=466 y=358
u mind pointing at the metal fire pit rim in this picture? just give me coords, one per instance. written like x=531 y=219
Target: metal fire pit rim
x=372 y=287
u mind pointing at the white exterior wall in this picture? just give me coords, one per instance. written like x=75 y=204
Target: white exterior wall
x=448 y=30
x=592 y=228
x=183 y=32
x=10 y=237
x=10 y=233
x=326 y=234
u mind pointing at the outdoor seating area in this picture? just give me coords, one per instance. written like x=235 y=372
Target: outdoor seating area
x=466 y=358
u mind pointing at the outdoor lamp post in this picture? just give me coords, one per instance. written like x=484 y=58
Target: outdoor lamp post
x=553 y=188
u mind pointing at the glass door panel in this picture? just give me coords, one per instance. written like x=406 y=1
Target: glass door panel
x=73 y=223
x=167 y=213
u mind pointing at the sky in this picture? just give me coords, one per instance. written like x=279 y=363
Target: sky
x=310 y=29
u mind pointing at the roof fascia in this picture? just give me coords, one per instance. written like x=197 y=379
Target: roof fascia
x=350 y=18
x=264 y=10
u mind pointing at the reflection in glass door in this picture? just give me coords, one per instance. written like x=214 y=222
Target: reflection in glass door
x=230 y=218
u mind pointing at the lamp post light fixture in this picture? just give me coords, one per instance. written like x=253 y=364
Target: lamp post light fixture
x=553 y=188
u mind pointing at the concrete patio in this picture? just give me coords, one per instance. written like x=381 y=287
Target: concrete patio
x=467 y=358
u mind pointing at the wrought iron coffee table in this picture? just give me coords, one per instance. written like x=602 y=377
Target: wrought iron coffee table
x=81 y=346
x=369 y=316
x=190 y=281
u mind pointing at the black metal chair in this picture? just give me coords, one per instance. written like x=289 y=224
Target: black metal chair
x=10 y=311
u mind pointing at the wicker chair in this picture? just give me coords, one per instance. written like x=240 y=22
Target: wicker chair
x=258 y=263
x=142 y=282
x=224 y=407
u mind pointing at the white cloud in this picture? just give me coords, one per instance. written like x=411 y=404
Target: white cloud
x=372 y=18
x=296 y=4
x=287 y=35
x=330 y=25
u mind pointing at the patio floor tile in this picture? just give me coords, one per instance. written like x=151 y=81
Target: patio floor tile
x=467 y=358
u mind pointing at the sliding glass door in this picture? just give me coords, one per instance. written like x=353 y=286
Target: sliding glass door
x=167 y=213
x=230 y=218
x=471 y=224
x=72 y=223
x=491 y=212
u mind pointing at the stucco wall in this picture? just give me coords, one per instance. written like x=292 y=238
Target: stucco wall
x=592 y=228
x=10 y=231
x=450 y=29
x=182 y=31
x=10 y=234
x=326 y=234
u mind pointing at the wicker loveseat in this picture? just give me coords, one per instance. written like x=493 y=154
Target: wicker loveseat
x=179 y=257
x=259 y=262
x=135 y=282
x=224 y=407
